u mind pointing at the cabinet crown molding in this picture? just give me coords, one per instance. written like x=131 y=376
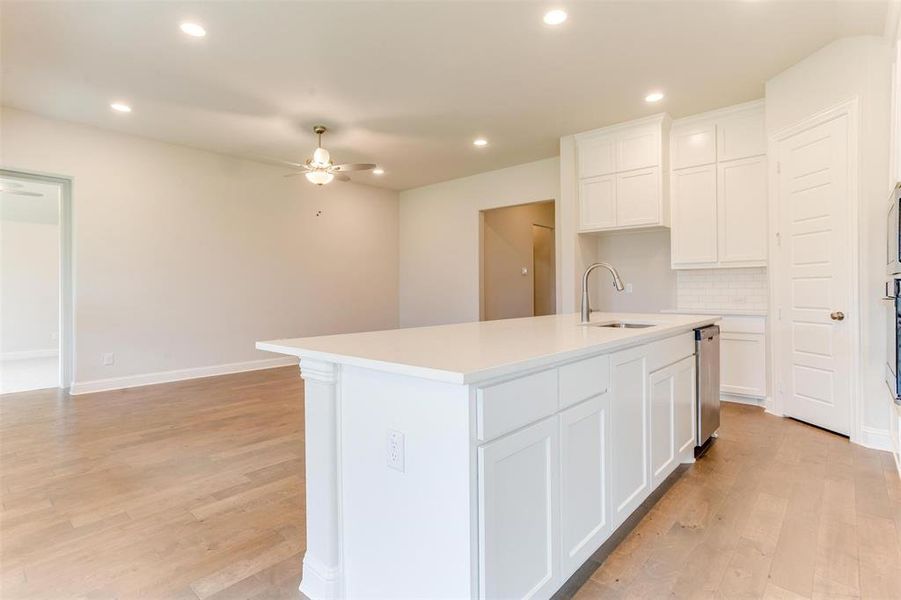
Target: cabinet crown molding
x=662 y=119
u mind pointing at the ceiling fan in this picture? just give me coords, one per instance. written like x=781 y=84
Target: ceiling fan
x=320 y=170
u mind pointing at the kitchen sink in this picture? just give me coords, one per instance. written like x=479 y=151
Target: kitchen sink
x=622 y=325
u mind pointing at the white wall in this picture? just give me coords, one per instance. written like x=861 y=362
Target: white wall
x=852 y=67
x=185 y=258
x=29 y=291
x=439 y=238
x=642 y=258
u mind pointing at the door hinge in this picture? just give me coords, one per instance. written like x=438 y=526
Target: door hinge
x=778 y=168
x=779 y=239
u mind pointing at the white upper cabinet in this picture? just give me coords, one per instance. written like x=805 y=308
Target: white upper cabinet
x=597 y=202
x=693 y=146
x=597 y=156
x=741 y=135
x=719 y=189
x=622 y=172
x=694 y=210
x=638 y=148
x=741 y=190
x=637 y=198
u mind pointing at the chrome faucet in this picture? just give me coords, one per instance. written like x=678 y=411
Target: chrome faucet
x=617 y=283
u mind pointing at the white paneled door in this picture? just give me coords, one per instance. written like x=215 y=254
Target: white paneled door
x=814 y=275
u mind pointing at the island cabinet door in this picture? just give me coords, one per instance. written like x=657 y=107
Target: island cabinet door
x=672 y=433
x=518 y=513
x=584 y=497
x=630 y=477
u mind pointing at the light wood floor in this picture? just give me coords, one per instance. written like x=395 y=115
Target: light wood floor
x=195 y=490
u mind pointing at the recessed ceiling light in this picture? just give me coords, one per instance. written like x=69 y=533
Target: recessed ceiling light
x=480 y=142
x=554 y=17
x=120 y=107
x=193 y=29
x=378 y=171
x=654 y=97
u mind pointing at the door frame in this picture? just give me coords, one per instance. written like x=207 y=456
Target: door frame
x=66 y=270
x=775 y=404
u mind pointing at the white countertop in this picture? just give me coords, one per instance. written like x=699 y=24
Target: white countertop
x=472 y=352
x=737 y=312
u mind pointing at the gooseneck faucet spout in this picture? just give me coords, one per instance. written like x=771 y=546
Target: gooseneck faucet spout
x=617 y=283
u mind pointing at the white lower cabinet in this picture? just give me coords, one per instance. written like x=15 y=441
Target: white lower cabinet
x=584 y=487
x=550 y=493
x=518 y=513
x=672 y=428
x=630 y=481
x=743 y=356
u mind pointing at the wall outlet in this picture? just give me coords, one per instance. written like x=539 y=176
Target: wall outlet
x=108 y=359
x=394 y=450
x=628 y=288
x=54 y=336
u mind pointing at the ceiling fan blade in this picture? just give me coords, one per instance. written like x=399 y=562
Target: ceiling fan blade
x=294 y=174
x=352 y=167
x=341 y=177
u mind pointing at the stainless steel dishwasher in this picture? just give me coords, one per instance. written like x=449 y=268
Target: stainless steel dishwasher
x=707 y=355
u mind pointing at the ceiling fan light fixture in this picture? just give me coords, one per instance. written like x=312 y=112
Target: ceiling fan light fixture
x=321 y=157
x=319 y=177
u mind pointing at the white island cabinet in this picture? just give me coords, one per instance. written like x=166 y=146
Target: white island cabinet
x=485 y=460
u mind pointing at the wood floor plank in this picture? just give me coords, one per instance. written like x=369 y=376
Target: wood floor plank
x=196 y=490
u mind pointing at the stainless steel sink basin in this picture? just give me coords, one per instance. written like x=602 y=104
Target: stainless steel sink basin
x=622 y=325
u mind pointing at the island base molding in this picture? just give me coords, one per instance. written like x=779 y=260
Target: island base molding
x=321 y=576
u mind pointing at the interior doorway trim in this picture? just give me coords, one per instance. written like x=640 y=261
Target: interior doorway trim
x=850 y=109
x=66 y=270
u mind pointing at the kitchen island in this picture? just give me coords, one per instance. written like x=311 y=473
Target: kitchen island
x=485 y=459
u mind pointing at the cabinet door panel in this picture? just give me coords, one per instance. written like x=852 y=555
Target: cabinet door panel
x=685 y=401
x=694 y=222
x=741 y=135
x=630 y=483
x=518 y=517
x=638 y=149
x=693 y=146
x=585 y=522
x=638 y=198
x=597 y=203
x=597 y=156
x=743 y=364
x=742 y=194
x=663 y=441
x=671 y=399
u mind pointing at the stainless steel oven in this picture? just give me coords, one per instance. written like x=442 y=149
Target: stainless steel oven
x=893 y=234
x=893 y=329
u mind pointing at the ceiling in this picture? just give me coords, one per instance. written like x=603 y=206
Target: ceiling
x=29 y=201
x=407 y=85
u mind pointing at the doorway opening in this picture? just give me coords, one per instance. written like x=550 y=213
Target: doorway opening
x=518 y=274
x=35 y=282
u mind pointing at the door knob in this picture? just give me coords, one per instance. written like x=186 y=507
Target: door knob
x=837 y=316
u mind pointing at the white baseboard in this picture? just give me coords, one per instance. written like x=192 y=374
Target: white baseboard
x=26 y=354
x=769 y=406
x=877 y=439
x=750 y=401
x=118 y=383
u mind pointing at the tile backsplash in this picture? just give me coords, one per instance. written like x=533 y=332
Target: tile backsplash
x=722 y=288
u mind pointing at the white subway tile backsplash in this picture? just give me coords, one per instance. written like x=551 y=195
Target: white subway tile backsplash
x=722 y=288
